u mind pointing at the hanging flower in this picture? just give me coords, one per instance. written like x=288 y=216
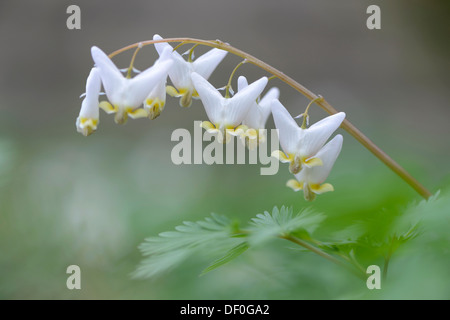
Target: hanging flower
x=300 y=145
x=226 y=114
x=126 y=95
x=258 y=114
x=88 y=118
x=156 y=100
x=180 y=74
x=311 y=179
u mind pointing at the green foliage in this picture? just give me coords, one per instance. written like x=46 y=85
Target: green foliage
x=355 y=246
x=217 y=232
x=230 y=255
x=283 y=222
x=172 y=248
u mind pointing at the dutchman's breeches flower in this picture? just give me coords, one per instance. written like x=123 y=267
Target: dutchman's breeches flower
x=126 y=95
x=180 y=73
x=300 y=145
x=226 y=114
x=156 y=100
x=88 y=118
x=311 y=179
x=258 y=114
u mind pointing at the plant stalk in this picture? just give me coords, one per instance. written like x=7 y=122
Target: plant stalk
x=346 y=125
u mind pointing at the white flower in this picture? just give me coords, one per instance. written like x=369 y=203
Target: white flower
x=88 y=118
x=226 y=114
x=310 y=179
x=127 y=95
x=156 y=100
x=301 y=145
x=258 y=114
x=180 y=74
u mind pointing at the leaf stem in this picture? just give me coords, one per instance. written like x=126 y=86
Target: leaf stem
x=346 y=125
x=323 y=254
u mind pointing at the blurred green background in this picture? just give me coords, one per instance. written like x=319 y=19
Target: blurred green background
x=67 y=199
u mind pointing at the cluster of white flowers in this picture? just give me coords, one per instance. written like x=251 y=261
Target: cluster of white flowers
x=309 y=159
x=243 y=114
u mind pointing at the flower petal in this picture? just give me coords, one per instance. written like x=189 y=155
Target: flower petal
x=237 y=107
x=208 y=62
x=328 y=154
x=138 y=113
x=294 y=185
x=317 y=134
x=278 y=154
x=140 y=86
x=88 y=118
x=211 y=98
x=111 y=77
x=89 y=106
x=266 y=102
x=180 y=73
x=289 y=132
x=242 y=83
x=322 y=188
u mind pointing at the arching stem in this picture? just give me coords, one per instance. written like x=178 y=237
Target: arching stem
x=346 y=125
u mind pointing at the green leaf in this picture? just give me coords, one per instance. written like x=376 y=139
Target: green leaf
x=169 y=249
x=230 y=255
x=283 y=222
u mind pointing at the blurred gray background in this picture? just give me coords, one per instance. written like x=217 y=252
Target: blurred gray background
x=92 y=200
x=395 y=77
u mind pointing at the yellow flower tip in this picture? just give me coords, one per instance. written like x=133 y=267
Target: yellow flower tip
x=278 y=154
x=171 y=91
x=295 y=166
x=154 y=112
x=208 y=126
x=238 y=131
x=121 y=119
x=312 y=162
x=253 y=138
x=86 y=126
x=121 y=116
x=321 y=188
x=252 y=134
x=107 y=107
x=310 y=191
x=137 y=113
x=186 y=99
x=308 y=194
x=154 y=108
x=294 y=185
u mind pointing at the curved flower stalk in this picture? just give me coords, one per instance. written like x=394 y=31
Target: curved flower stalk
x=127 y=95
x=311 y=179
x=88 y=119
x=258 y=114
x=180 y=74
x=301 y=145
x=222 y=46
x=226 y=114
